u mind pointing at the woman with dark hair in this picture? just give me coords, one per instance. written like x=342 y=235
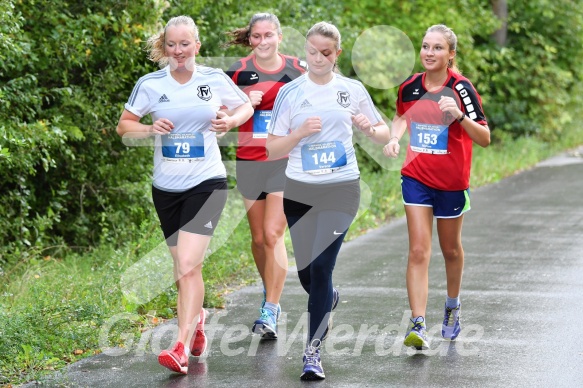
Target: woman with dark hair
x=260 y=181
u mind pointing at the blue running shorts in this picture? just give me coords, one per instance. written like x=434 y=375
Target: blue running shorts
x=445 y=204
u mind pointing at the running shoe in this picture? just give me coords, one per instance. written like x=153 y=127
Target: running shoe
x=416 y=336
x=198 y=341
x=266 y=325
x=312 y=365
x=174 y=359
x=451 y=328
x=335 y=299
x=263 y=304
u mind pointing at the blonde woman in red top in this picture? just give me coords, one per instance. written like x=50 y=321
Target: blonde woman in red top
x=443 y=113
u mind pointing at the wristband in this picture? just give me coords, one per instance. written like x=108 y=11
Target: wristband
x=394 y=137
x=460 y=119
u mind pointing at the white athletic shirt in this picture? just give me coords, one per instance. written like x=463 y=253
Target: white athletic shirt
x=327 y=156
x=190 y=154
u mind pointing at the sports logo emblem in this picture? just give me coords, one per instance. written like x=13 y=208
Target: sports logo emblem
x=344 y=99
x=204 y=92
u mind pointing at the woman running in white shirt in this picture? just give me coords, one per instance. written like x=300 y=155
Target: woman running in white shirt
x=312 y=121
x=189 y=187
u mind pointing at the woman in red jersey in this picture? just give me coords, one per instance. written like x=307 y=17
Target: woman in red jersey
x=261 y=182
x=443 y=113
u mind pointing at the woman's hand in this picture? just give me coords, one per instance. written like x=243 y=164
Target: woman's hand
x=223 y=123
x=255 y=96
x=162 y=127
x=309 y=127
x=448 y=105
x=361 y=122
x=392 y=148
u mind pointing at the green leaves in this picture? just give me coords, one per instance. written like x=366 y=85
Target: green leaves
x=66 y=69
x=65 y=74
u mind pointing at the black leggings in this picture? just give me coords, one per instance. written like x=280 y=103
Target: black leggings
x=317 y=237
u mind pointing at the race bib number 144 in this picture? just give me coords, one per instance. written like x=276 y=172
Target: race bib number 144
x=323 y=158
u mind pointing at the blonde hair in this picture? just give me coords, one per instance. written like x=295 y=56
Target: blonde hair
x=156 y=45
x=451 y=40
x=327 y=30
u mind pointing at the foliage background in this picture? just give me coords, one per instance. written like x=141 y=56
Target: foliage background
x=67 y=68
x=75 y=202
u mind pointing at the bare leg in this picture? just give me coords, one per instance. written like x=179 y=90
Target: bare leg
x=276 y=263
x=419 y=225
x=267 y=223
x=449 y=231
x=188 y=258
x=255 y=216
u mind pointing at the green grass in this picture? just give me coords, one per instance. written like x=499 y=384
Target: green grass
x=53 y=308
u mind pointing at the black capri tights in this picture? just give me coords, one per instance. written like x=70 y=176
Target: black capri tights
x=316 y=238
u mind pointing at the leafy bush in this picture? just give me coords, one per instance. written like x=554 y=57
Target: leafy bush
x=66 y=177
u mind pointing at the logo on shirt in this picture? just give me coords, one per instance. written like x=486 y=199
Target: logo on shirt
x=416 y=92
x=204 y=92
x=254 y=76
x=209 y=225
x=305 y=104
x=344 y=99
x=163 y=99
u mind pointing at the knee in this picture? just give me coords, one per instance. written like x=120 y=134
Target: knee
x=321 y=268
x=189 y=267
x=258 y=241
x=419 y=255
x=453 y=254
x=271 y=237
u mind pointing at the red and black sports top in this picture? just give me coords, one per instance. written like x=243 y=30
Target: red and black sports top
x=440 y=151
x=249 y=76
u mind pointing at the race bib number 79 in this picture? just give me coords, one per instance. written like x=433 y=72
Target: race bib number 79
x=183 y=147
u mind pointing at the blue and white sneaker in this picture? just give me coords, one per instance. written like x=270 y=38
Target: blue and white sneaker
x=266 y=325
x=416 y=336
x=263 y=304
x=335 y=299
x=451 y=328
x=312 y=364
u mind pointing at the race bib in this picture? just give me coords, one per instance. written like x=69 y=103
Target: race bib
x=323 y=158
x=429 y=138
x=183 y=147
x=260 y=120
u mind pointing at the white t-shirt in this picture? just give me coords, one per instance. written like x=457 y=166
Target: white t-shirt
x=327 y=156
x=190 y=154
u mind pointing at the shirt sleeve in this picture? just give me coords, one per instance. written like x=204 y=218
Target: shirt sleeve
x=471 y=101
x=231 y=96
x=399 y=102
x=366 y=107
x=280 y=123
x=139 y=102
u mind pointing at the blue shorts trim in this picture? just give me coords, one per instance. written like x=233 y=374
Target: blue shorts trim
x=445 y=204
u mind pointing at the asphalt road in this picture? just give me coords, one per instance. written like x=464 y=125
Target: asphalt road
x=521 y=312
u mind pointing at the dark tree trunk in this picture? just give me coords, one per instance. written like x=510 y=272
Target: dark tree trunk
x=500 y=8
